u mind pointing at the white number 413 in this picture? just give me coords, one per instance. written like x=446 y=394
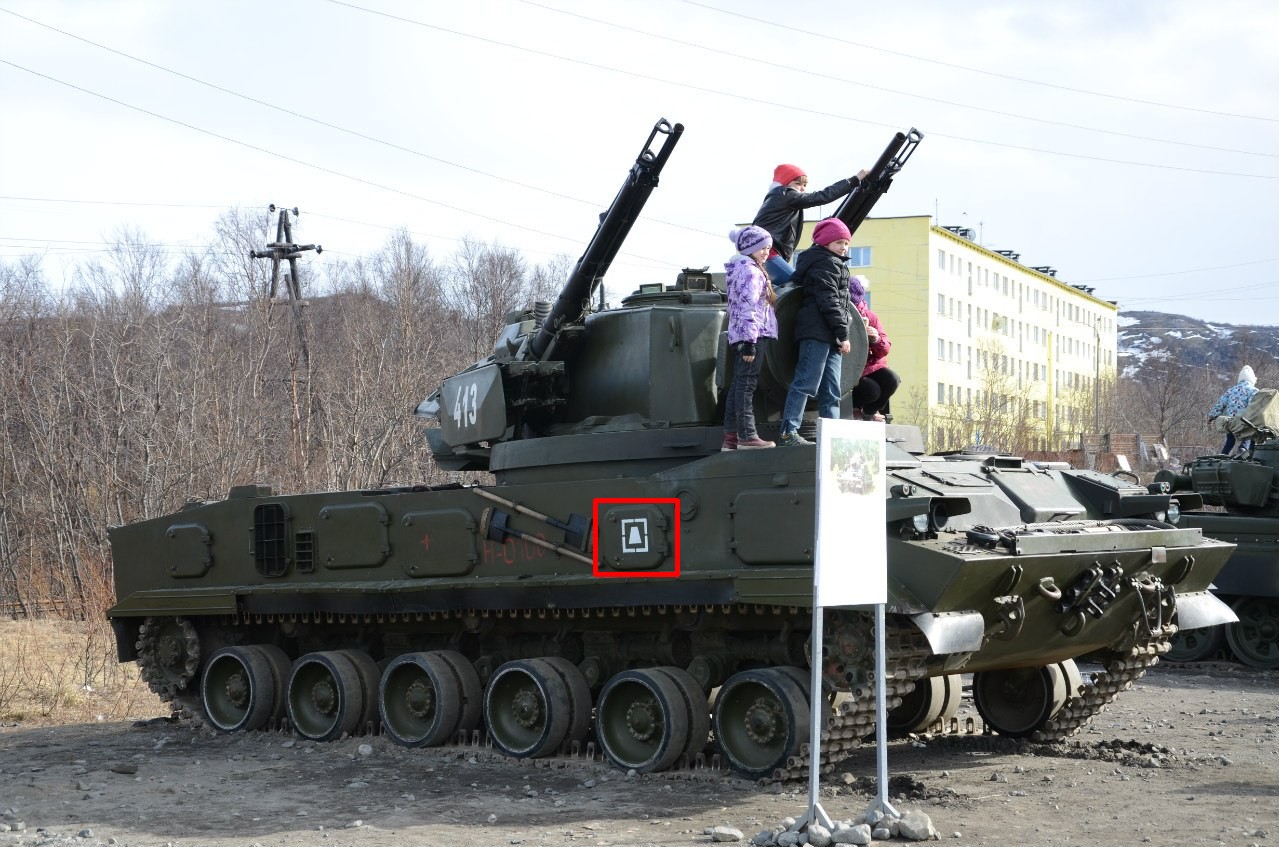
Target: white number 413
x=466 y=405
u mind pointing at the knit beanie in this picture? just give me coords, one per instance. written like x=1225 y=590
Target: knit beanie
x=786 y=174
x=857 y=287
x=831 y=229
x=1246 y=375
x=748 y=239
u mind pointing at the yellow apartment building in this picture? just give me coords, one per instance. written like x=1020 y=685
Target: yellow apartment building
x=989 y=351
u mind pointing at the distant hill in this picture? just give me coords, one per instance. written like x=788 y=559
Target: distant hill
x=1218 y=347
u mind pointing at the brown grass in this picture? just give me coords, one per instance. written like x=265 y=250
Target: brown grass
x=62 y=672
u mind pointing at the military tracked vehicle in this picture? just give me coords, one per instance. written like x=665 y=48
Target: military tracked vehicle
x=1245 y=488
x=620 y=570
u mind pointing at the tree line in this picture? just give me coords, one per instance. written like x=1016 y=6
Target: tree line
x=149 y=381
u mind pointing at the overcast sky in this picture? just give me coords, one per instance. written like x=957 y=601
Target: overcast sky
x=1134 y=146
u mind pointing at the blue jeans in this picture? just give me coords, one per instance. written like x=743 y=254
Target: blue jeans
x=816 y=375
x=779 y=270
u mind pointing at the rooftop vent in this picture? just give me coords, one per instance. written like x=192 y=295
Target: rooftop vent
x=963 y=232
x=1009 y=254
x=1046 y=269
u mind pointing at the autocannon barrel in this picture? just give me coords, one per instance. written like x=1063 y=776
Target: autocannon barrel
x=614 y=226
x=857 y=205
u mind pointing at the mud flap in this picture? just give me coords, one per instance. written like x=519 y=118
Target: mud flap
x=951 y=632
x=1201 y=609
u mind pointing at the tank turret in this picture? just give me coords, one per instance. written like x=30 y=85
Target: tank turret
x=1244 y=492
x=620 y=567
x=522 y=387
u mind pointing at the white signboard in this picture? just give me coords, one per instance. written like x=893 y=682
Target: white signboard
x=851 y=565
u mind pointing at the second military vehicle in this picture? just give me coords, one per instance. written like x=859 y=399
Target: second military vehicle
x=1246 y=490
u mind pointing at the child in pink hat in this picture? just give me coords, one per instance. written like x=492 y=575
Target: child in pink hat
x=821 y=328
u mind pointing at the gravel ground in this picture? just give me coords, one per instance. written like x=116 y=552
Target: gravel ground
x=1189 y=756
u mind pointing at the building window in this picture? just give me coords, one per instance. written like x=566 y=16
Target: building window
x=859 y=257
x=941 y=259
x=941 y=304
x=941 y=393
x=941 y=350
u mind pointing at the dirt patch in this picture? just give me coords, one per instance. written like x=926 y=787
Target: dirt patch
x=1189 y=756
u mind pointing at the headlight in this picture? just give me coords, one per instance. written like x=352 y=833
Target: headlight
x=920 y=522
x=1174 y=512
x=937 y=514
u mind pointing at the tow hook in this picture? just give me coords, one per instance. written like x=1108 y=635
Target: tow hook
x=1095 y=589
x=1158 y=602
x=1012 y=612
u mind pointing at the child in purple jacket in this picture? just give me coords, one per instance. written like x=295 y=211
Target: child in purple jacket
x=750 y=318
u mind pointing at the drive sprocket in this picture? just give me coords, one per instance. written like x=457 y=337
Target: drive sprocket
x=168 y=655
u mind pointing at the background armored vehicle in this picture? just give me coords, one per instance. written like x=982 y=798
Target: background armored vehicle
x=620 y=568
x=1246 y=490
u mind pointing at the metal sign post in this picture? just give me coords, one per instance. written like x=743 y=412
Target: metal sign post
x=881 y=803
x=850 y=504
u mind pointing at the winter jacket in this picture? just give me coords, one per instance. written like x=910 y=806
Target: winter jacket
x=823 y=278
x=878 y=349
x=1234 y=401
x=750 y=315
x=782 y=213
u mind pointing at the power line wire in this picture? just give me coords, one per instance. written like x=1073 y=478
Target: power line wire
x=777 y=25
x=1176 y=273
x=717 y=92
x=285 y=157
x=336 y=127
x=704 y=48
x=645 y=263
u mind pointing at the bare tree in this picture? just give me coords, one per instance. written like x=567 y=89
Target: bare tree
x=1167 y=398
x=488 y=283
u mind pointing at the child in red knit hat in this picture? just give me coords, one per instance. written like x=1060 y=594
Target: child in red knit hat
x=782 y=213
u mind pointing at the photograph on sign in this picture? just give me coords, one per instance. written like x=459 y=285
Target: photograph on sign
x=851 y=567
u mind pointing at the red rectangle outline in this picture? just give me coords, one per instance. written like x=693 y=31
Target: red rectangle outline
x=595 y=538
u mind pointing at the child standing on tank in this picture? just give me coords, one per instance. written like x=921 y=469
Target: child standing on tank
x=782 y=213
x=821 y=328
x=751 y=319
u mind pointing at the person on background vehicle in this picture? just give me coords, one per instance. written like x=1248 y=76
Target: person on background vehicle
x=878 y=383
x=1234 y=401
x=821 y=328
x=751 y=319
x=782 y=213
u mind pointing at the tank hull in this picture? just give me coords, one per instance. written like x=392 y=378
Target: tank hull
x=516 y=573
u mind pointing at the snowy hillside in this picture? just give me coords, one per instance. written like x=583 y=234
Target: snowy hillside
x=1220 y=348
